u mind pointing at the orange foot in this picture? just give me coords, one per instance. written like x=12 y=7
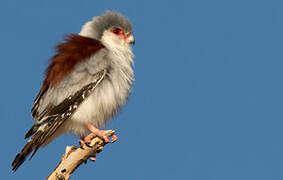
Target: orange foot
x=100 y=133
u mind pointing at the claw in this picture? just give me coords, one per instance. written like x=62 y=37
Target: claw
x=97 y=132
x=88 y=138
x=82 y=142
x=114 y=138
x=100 y=133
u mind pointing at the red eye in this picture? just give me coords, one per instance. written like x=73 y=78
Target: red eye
x=117 y=31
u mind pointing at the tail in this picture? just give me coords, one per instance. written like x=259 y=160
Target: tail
x=39 y=137
x=53 y=119
x=32 y=146
x=21 y=157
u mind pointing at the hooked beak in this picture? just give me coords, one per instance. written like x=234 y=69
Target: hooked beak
x=131 y=39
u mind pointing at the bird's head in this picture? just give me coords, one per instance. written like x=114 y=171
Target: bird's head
x=110 y=28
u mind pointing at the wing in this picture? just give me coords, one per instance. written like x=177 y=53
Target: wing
x=76 y=50
x=54 y=117
x=34 y=111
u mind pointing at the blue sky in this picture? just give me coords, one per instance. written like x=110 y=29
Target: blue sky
x=206 y=105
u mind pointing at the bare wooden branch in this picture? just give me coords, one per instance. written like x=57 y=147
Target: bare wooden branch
x=75 y=156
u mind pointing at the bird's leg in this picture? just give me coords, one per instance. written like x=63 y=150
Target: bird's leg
x=100 y=133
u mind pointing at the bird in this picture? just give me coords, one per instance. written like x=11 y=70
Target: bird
x=86 y=83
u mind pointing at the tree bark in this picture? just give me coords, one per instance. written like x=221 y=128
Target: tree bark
x=75 y=156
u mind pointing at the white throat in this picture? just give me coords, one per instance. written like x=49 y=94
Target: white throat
x=122 y=52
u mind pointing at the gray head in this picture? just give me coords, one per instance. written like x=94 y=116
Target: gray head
x=111 y=21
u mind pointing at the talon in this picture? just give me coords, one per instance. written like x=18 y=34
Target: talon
x=97 y=132
x=105 y=138
x=82 y=142
x=88 y=138
x=114 y=138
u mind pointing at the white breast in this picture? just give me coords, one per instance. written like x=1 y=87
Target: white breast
x=109 y=96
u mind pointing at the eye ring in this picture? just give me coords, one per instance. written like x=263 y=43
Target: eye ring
x=117 y=31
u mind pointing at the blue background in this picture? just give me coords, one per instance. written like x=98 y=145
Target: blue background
x=206 y=105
